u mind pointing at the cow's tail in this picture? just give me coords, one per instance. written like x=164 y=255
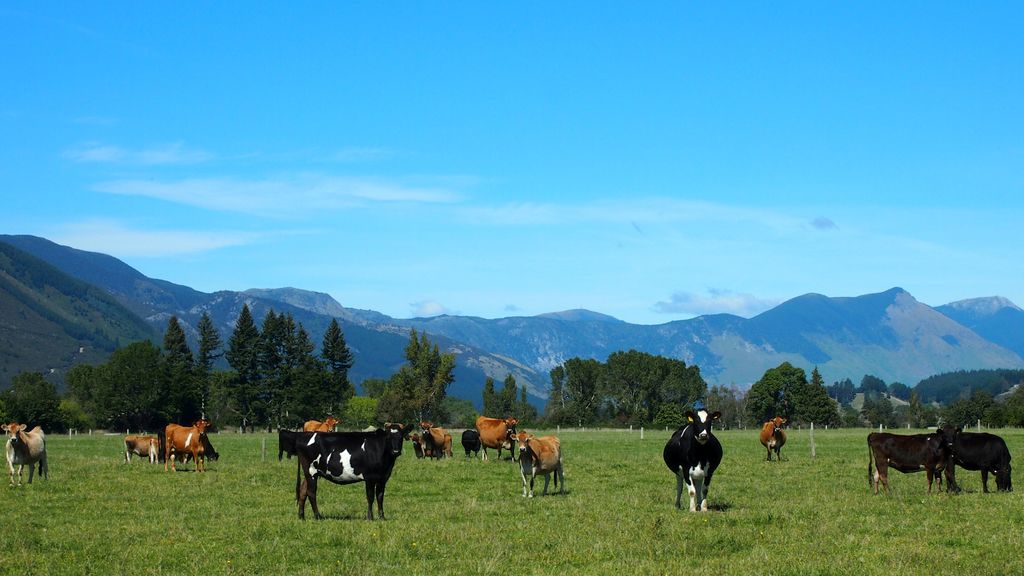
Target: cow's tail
x=298 y=477
x=161 y=436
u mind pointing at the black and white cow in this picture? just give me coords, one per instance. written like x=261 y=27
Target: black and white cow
x=979 y=451
x=692 y=454
x=347 y=458
x=471 y=442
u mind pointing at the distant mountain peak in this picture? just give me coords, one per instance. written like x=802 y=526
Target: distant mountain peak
x=983 y=306
x=579 y=315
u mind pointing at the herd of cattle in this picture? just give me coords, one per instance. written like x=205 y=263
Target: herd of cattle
x=692 y=454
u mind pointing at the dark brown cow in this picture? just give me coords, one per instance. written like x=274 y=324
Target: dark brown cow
x=907 y=453
x=979 y=451
x=25 y=448
x=773 y=436
x=496 y=433
x=186 y=440
x=144 y=446
x=318 y=426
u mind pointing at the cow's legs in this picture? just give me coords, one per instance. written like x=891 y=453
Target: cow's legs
x=547 y=478
x=769 y=450
x=300 y=497
x=31 y=471
x=380 y=498
x=532 y=477
x=984 y=480
x=560 y=479
x=679 y=488
x=370 y=489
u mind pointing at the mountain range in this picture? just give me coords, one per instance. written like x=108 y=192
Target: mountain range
x=888 y=334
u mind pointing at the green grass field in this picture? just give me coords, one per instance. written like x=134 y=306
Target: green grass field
x=97 y=515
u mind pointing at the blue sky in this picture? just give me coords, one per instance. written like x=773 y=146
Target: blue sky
x=651 y=161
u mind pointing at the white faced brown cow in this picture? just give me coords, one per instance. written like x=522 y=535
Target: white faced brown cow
x=25 y=448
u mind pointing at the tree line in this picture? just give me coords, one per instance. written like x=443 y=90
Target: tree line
x=278 y=379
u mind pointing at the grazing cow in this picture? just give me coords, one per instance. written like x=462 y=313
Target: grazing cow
x=908 y=453
x=540 y=456
x=143 y=446
x=471 y=442
x=979 y=451
x=437 y=442
x=25 y=448
x=346 y=458
x=185 y=440
x=496 y=433
x=318 y=426
x=773 y=437
x=693 y=454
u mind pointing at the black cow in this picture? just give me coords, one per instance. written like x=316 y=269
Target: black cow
x=286 y=443
x=693 y=454
x=471 y=442
x=346 y=458
x=979 y=451
x=908 y=453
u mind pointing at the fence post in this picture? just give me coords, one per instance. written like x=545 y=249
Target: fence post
x=641 y=432
x=812 y=440
x=263 y=450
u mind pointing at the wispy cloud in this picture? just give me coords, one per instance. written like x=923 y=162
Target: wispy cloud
x=716 y=301
x=113 y=237
x=632 y=212
x=282 y=196
x=164 y=154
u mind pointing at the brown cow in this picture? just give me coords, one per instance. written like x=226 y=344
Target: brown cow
x=773 y=437
x=318 y=426
x=908 y=453
x=496 y=433
x=144 y=446
x=25 y=448
x=540 y=456
x=417 y=444
x=435 y=439
x=182 y=439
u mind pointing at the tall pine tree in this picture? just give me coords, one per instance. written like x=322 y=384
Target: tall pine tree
x=184 y=403
x=242 y=356
x=338 y=359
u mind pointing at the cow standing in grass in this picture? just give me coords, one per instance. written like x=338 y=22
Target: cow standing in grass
x=25 y=448
x=496 y=433
x=693 y=454
x=346 y=458
x=773 y=437
x=540 y=456
x=979 y=451
x=142 y=446
x=909 y=453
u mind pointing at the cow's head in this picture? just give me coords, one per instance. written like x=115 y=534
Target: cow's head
x=394 y=438
x=776 y=423
x=12 y=430
x=510 y=433
x=948 y=435
x=201 y=425
x=524 y=445
x=1003 y=481
x=331 y=422
x=701 y=421
x=426 y=425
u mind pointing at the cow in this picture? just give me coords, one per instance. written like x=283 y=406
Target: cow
x=286 y=443
x=471 y=442
x=346 y=458
x=979 y=451
x=417 y=444
x=318 y=426
x=496 y=433
x=693 y=454
x=143 y=446
x=540 y=456
x=25 y=448
x=437 y=442
x=908 y=453
x=185 y=439
x=773 y=437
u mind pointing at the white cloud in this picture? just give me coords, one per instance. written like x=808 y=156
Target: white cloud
x=823 y=223
x=281 y=196
x=112 y=237
x=427 y=308
x=164 y=154
x=716 y=301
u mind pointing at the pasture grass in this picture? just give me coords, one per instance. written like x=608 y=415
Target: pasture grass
x=97 y=515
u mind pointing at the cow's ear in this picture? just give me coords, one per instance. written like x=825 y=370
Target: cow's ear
x=716 y=415
x=690 y=416
x=22 y=427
